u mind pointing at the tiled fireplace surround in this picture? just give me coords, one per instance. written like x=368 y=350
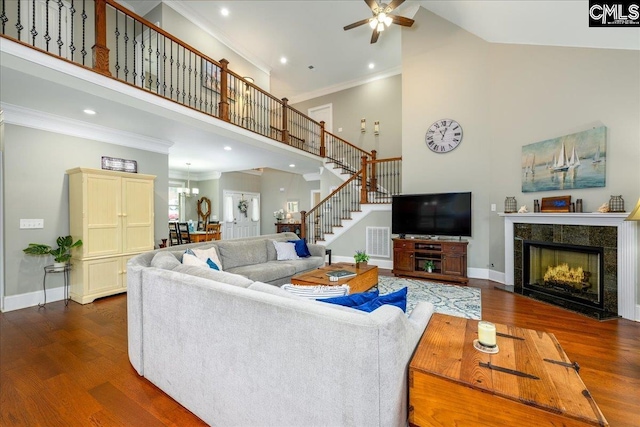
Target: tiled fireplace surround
x=616 y=236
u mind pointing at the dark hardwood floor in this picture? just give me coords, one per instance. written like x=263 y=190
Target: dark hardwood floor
x=68 y=366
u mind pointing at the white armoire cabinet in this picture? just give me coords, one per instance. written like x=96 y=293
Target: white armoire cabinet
x=112 y=212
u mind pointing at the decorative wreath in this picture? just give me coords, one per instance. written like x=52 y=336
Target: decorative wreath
x=243 y=205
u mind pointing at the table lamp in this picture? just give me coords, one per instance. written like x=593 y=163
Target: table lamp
x=635 y=213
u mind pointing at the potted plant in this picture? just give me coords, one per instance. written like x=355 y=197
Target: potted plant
x=61 y=255
x=429 y=265
x=361 y=258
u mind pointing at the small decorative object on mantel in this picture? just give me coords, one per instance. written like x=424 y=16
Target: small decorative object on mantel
x=616 y=204
x=122 y=165
x=604 y=208
x=578 y=205
x=536 y=205
x=523 y=209
x=510 y=205
x=556 y=204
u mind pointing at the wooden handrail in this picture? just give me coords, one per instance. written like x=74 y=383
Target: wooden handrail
x=348 y=143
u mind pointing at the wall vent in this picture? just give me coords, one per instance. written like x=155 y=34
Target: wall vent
x=378 y=242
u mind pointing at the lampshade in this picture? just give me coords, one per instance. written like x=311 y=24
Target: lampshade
x=380 y=27
x=635 y=213
x=373 y=23
x=388 y=21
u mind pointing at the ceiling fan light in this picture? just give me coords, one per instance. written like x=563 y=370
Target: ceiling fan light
x=373 y=23
x=388 y=21
x=380 y=27
x=381 y=17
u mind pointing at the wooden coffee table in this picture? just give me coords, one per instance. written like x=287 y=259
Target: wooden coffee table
x=365 y=279
x=448 y=384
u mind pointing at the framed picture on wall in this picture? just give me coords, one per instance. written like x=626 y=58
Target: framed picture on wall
x=211 y=77
x=577 y=160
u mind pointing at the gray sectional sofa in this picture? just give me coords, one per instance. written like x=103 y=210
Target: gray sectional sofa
x=240 y=352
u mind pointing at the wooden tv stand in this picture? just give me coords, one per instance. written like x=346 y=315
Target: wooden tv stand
x=449 y=257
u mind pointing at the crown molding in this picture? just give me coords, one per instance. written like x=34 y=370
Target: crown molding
x=21 y=116
x=202 y=176
x=183 y=9
x=315 y=176
x=345 y=85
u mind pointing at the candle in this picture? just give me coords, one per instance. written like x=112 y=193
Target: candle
x=487 y=333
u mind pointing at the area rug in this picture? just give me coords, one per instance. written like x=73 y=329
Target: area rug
x=459 y=301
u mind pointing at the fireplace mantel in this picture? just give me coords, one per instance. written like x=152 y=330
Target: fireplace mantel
x=627 y=248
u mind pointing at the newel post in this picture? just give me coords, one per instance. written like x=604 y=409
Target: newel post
x=285 y=131
x=374 y=174
x=223 y=105
x=100 y=49
x=303 y=224
x=363 y=184
x=323 y=150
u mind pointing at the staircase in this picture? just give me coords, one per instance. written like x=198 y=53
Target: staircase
x=363 y=191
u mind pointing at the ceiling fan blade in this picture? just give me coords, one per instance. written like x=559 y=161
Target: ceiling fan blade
x=373 y=5
x=401 y=20
x=357 y=24
x=393 y=5
x=375 y=35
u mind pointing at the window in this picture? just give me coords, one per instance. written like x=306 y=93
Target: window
x=174 y=201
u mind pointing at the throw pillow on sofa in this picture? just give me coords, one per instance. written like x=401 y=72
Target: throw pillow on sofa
x=164 y=260
x=302 y=250
x=286 y=251
x=397 y=298
x=189 y=259
x=353 y=300
x=207 y=254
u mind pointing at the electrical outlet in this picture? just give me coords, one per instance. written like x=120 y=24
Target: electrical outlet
x=339 y=129
x=493 y=207
x=31 y=223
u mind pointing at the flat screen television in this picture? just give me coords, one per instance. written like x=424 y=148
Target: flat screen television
x=443 y=214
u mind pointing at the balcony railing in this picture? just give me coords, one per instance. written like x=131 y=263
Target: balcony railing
x=105 y=37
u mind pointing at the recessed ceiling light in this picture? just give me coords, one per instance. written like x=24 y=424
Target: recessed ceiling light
x=371 y=65
x=283 y=60
x=224 y=11
x=292 y=165
x=227 y=148
x=90 y=112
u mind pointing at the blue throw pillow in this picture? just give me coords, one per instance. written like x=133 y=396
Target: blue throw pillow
x=302 y=250
x=353 y=299
x=212 y=264
x=397 y=298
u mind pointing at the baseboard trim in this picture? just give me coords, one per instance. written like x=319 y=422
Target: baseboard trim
x=32 y=299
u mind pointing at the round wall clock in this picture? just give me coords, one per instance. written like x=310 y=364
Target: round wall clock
x=443 y=136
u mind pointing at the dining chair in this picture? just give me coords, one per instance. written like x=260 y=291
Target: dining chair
x=213 y=232
x=174 y=236
x=183 y=231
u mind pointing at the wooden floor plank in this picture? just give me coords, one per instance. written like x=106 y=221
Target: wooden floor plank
x=69 y=366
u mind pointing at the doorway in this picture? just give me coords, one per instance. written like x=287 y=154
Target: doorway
x=323 y=113
x=236 y=222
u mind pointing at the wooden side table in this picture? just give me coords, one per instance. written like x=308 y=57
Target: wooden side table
x=529 y=382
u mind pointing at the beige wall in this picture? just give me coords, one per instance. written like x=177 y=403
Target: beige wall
x=507 y=96
x=36 y=186
x=376 y=101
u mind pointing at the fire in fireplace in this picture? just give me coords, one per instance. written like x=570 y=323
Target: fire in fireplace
x=563 y=272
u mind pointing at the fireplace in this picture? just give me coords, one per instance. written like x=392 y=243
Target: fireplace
x=573 y=274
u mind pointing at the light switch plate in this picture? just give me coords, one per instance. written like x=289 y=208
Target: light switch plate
x=31 y=223
x=493 y=207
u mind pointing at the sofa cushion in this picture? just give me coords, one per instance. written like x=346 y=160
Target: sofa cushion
x=218 y=276
x=397 y=298
x=353 y=299
x=285 y=250
x=301 y=248
x=269 y=272
x=240 y=253
x=164 y=260
x=316 y=292
x=304 y=264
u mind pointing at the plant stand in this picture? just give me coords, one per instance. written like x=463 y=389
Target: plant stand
x=52 y=269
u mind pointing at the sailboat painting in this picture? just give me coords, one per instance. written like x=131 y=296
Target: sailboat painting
x=572 y=161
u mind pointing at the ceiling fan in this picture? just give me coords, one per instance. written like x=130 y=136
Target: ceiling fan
x=381 y=18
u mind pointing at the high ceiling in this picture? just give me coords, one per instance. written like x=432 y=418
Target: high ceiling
x=306 y=33
x=310 y=33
